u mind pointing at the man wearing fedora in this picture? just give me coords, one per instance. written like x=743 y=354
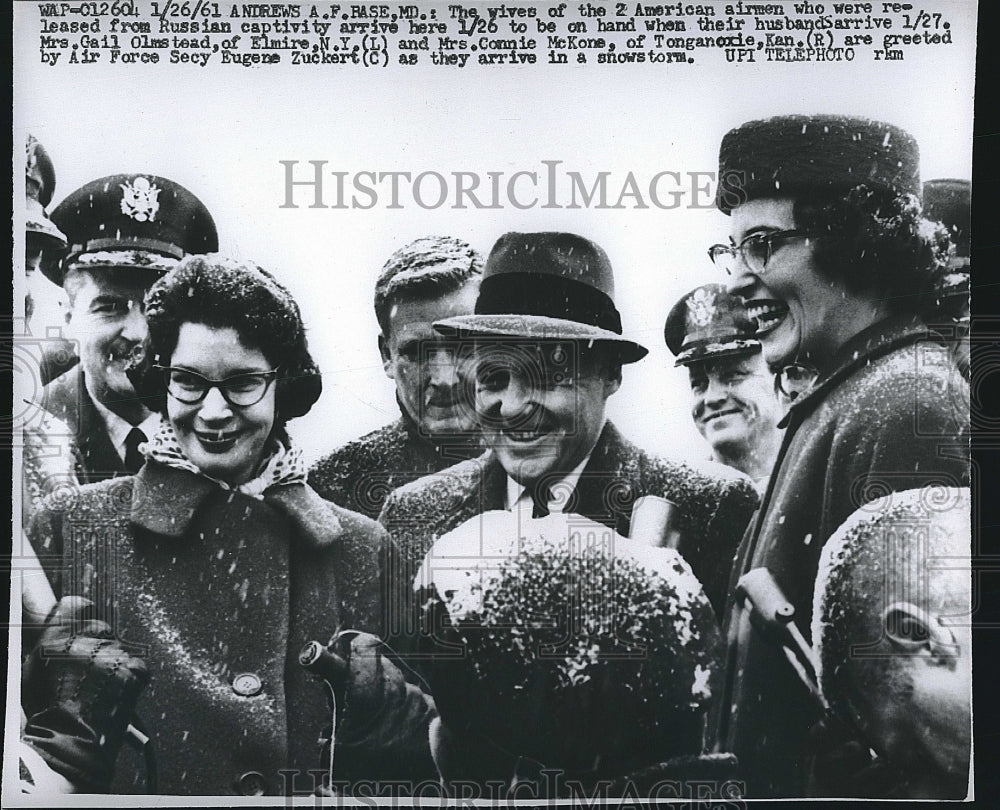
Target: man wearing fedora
x=547 y=347
x=734 y=405
x=124 y=231
x=834 y=262
x=431 y=278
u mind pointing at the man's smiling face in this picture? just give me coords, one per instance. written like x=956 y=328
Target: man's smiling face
x=734 y=404
x=541 y=404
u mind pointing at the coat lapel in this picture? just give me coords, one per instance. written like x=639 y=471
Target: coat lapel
x=166 y=499
x=603 y=494
x=314 y=519
x=68 y=399
x=487 y=489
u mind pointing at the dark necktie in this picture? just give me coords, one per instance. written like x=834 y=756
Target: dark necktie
x=133 y=458
x=541 y=494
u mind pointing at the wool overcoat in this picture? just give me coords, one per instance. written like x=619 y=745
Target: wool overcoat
x=68 y=400
x=359 y=475
x=715 y=503
x=218 y=592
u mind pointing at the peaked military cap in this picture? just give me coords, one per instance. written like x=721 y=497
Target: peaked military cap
x=547 y=285
x=789 y=154
x=133 y=220
x=39 y=185
x=709 y=322
x=949 y=202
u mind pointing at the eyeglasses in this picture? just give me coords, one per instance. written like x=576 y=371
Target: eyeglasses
x=240 y=390
x=794 y=380
x=755 y=251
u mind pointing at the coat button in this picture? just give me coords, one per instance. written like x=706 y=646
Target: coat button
x=247 y=684
x=252 y=783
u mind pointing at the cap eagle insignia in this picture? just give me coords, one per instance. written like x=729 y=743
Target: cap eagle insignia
x=140 y=200
x=701 y=306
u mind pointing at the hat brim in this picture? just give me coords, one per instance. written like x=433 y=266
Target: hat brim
x=538 y=327
x=38 y=224
x=711 y=351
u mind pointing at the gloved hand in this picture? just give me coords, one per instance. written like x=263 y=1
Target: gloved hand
x=79 y=691
x=843 y=766
x=383 y=715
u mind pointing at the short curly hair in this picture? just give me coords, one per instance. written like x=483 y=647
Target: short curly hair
x=870 y=240
x=224 y=293
x=427 y=267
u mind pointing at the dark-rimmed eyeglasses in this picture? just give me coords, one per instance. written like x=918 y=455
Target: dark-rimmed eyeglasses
x=240 y=390
x=754 y=252
x=794 y=380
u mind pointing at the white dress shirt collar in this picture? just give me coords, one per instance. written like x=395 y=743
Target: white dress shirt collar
x=519 y=498
x=118 y=428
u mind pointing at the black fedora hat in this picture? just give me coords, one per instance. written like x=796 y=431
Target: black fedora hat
x=547 y=285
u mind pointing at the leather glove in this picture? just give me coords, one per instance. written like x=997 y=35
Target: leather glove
x=383 y=714
x=79 y=692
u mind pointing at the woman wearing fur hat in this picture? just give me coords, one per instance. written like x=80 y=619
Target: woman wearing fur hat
x=217 y=562
x=834 y=263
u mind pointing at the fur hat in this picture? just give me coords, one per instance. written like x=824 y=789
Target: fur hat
x=790 y=154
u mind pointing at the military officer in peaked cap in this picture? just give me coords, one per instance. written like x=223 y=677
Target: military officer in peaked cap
x=734 y=405
x=547 y=348
x=43 y=239
x=834 y=262
x=949 y=202
x=44 y=244
x=48 y=456
x=123 y=232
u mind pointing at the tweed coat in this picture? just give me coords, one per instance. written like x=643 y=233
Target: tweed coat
x=68 y=400
x=359 y=475
x=715 y=502
x=892 y=415
x=218 y=592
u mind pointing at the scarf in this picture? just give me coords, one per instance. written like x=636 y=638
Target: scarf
x=284 y=464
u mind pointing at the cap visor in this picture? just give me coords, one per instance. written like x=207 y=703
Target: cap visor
x=709 y=351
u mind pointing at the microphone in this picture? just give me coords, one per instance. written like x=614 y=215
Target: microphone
x=325 y=664
x=654 y=522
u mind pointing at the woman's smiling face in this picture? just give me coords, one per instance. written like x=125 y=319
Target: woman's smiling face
x=799 y=314
x=224 y=441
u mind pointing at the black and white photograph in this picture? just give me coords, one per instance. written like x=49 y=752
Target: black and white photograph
x=491 y=403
